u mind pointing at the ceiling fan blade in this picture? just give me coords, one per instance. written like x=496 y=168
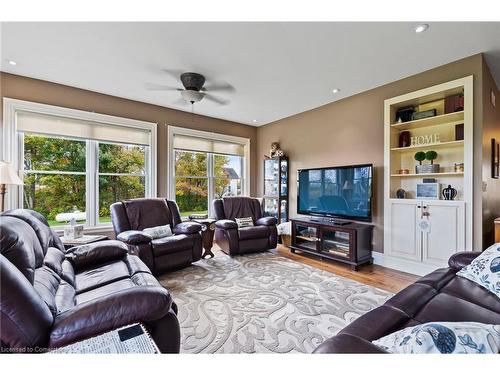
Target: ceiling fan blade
x=217 y=100
x=181 y=102
x=156 y=87
x=219 y=86
x=175 y=73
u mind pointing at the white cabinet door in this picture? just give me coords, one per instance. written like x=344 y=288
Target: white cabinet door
x=447 y=232
x=404 y=237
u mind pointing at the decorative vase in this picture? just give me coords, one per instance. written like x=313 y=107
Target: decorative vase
x=404 y=139
x=449 y=193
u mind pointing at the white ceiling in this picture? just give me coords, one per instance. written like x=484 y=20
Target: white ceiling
x=277 y=69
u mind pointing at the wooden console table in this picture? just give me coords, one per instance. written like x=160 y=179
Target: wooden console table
x=348 y=243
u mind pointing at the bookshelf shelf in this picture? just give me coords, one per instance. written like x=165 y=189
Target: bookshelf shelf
x=429 y=145
x=448 y=118
x=440 y=174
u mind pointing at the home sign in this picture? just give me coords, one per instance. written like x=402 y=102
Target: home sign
x=425 y=139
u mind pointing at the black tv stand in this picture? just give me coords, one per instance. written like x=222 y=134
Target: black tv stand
x=343 y=241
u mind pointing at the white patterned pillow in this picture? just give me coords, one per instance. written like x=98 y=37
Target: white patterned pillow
x=159 y=231
x=485 y=270
x=444 y=338
x=244 y=222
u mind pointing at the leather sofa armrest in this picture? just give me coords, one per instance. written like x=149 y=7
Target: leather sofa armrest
x=267 y=221
x=187 y=227
x=348 y=344
x=141 y=304
x=226 y=224
x=460 y=260
x=134 y=237
x=85 y=256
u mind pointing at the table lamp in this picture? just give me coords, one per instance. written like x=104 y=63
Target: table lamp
x=7 y=177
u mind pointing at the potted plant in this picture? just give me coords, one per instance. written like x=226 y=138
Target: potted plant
x=431 y=156
x=420 y=157
x=426 y=168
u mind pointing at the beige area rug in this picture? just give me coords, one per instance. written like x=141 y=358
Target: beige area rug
x=263 y=303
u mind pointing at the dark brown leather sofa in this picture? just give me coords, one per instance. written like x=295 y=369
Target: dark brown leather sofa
x=439 y=296
x=51 y=298
x=130 y=217
x=233 y=241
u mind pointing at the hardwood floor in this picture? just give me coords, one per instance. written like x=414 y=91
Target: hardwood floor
x=376 y=276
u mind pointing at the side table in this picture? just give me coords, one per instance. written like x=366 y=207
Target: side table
x=207 y=235
x=84 y=240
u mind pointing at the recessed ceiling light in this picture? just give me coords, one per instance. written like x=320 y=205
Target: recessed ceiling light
x=421 y=28
x=254 y=120
x=12 y=62
x=335 y=91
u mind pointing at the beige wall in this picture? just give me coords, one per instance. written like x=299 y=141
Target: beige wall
x=18 y=87
x=491 y=129
x=350 y=131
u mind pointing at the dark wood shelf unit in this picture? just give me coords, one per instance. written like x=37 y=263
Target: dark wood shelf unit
x=327 y=238
x=276 y=185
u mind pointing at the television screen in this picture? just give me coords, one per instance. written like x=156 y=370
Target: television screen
x=344 y=192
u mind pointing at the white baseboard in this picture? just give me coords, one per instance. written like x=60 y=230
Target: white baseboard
x=402 y=264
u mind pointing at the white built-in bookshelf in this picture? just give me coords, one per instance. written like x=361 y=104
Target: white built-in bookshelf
x=450 y=227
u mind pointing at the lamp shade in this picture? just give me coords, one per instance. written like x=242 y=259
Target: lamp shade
x=7 y=175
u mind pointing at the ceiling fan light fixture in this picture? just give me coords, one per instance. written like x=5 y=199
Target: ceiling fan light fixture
x=192 y=96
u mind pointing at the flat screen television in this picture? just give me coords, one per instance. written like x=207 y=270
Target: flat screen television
x=341 y=192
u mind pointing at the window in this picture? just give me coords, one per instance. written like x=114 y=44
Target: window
x=191 y=182
x=227 y=175
x=122 y=175
x=54 y=176
x=206 y=166
x=76 y=164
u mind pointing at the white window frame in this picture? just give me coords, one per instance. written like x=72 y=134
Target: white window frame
x=176 y=130
x=12 y=150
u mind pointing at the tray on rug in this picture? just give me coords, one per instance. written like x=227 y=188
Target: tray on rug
x=130 y=339
x=263 y=303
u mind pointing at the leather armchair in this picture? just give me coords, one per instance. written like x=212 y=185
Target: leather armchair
x=52 y=298
x=234 y=241
x=129 y=219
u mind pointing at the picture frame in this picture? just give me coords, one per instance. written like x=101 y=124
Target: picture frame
x=495 y=158
x=428 y=190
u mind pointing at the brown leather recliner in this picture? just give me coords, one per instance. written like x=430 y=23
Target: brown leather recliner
x=51 y=297
x=441 y=296
x=233 y=241
x=130 y=217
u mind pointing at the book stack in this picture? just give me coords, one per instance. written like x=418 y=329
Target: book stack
x=454 y=103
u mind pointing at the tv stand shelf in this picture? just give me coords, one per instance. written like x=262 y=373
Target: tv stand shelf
x=342 y=241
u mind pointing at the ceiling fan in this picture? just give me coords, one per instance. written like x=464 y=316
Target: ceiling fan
x=194 y=89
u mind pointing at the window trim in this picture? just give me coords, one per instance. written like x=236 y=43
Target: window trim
x=12 y=147
x=176 y=130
